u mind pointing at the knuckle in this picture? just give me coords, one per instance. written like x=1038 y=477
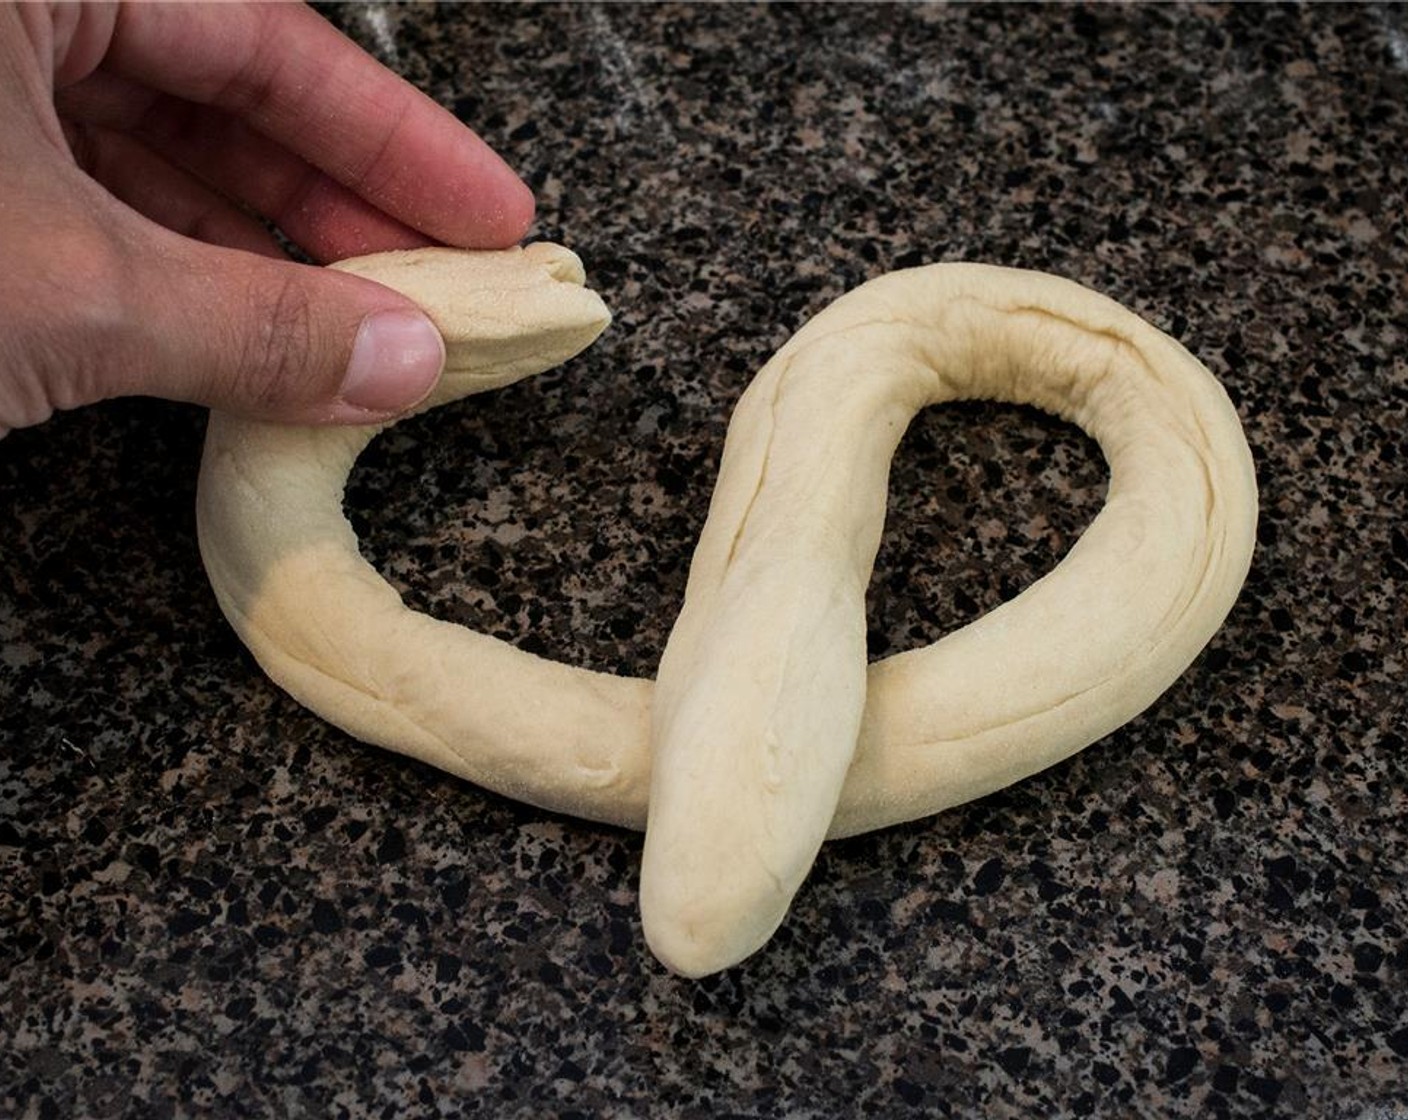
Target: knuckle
x=279 y=358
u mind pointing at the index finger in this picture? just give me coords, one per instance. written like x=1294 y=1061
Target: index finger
x=291 y=75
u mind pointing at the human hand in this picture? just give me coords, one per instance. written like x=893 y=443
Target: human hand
x=136 y=140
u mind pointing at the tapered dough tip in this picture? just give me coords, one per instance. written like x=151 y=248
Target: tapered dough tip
x=694 y=949
x=696 y=932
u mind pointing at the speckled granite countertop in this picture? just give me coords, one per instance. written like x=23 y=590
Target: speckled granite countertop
x=213 y=904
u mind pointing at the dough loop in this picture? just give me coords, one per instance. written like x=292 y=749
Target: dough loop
x=769 y=731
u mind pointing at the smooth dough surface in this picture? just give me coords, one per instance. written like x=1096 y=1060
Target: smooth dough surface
x=772 y=732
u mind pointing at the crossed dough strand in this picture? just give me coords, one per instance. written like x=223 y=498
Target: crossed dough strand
x=770 y=733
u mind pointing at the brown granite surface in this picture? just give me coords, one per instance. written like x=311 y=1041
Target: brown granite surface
x=212 y=904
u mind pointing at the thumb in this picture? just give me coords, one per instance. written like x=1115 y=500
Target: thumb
x=272 y=339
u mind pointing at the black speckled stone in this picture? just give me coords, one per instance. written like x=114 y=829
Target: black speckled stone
x=213 y=904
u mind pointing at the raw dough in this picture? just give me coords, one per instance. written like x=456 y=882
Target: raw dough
x=771 y=733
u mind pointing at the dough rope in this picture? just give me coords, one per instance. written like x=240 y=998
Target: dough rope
x=769 y=731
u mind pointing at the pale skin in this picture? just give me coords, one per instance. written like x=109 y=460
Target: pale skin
x=136 y=144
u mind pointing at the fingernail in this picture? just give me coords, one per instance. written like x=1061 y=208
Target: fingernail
x=396 y=361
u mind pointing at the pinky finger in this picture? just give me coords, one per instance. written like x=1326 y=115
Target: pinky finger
x=163 y=192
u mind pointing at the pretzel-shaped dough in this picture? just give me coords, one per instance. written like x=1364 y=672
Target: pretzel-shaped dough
x=769 y=732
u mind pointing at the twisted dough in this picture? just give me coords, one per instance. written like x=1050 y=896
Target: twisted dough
x=770 y=733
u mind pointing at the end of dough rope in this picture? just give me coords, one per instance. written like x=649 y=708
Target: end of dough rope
x=765 y=732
